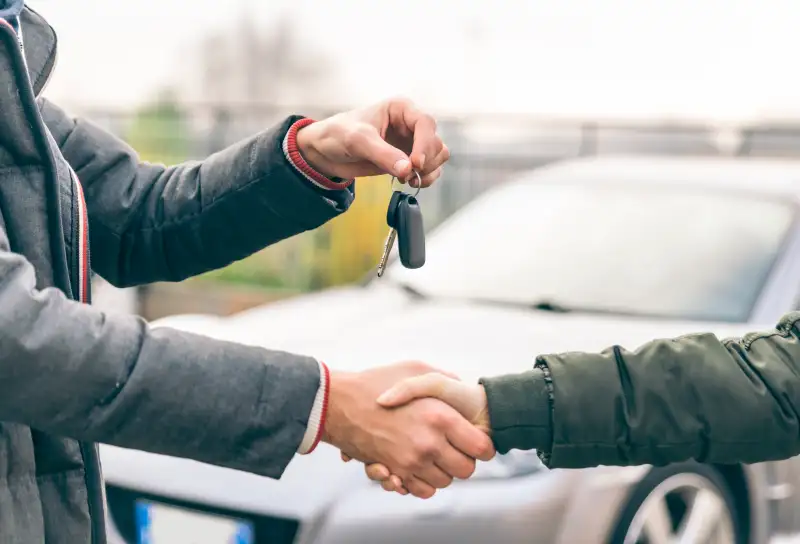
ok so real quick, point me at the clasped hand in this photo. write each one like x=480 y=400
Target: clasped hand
x=410 y=440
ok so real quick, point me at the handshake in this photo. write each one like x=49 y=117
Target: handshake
x=416 y=428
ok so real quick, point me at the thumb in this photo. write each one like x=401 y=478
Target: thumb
x=427 y=385
x=372 y=148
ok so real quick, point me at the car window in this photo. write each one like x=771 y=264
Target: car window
x=674 y=252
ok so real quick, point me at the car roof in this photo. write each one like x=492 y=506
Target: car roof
x=758 y=175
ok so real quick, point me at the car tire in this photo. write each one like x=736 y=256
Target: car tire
x=683 y=488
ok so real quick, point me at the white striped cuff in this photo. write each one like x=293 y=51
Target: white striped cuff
x=316 y=420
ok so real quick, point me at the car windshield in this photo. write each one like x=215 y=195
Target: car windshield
x=674 y=252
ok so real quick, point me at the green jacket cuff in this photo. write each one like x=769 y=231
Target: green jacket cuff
x=519 y=411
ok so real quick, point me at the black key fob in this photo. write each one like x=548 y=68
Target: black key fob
x=410 y=233
x=391 y=211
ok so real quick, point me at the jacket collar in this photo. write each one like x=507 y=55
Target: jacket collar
x=40 y=48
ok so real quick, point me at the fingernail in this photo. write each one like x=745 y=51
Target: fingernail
x=401 y=166
x=421 y=162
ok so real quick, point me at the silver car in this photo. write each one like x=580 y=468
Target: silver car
x=578 y=255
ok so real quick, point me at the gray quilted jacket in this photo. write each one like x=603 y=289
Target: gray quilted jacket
x=70 y=376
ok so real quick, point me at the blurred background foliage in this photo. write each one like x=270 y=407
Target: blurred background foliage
x=159 y=131
x=340 y=252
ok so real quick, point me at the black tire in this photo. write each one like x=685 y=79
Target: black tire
x=660 y=474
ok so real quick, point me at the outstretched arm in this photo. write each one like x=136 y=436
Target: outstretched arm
x=149 y=222
x=692 y=397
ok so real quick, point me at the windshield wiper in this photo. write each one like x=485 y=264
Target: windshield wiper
x=413 y=292
x=546 y=305
x=549 y=306
x=543 y=305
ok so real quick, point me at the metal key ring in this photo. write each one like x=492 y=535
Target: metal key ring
x=419 y=183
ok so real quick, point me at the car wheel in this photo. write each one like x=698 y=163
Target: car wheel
x=686 y=502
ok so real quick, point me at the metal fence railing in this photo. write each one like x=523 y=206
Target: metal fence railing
x=514 y=144
x=485 y=151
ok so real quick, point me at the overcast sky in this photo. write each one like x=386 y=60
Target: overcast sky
x=726 y=58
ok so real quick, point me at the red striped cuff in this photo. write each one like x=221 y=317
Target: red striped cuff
x=319 y=412
x=296 y=159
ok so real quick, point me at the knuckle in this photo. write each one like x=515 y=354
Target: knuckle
x=421 y=490
x=486 y=449
x=430 y=120
x=433 y=176
x=426 y=449
x=355 y=138
x=436 y=418
x=364 y=129
x=466 y=470
x=408 y=464
x=418 y=367
x=400 y=101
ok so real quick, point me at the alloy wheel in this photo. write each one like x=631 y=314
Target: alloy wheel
x=683 y=509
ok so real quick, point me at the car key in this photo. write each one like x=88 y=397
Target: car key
x=410 y=232
x=391 y=216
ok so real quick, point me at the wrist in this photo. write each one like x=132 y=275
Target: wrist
x=302 y=151
x=339 y=385
x=307 y=137
x=520 y=411
x=481 y=421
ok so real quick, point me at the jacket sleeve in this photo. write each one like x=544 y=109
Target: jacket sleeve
x=151 y=223
x=692 y=397
x=70 y=370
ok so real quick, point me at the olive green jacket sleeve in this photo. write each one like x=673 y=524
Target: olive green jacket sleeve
x=692 y=397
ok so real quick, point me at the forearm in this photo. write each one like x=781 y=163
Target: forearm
x=692 y=397
x=68 y=369
x=204 y=216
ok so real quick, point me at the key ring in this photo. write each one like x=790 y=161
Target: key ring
x=419 y=183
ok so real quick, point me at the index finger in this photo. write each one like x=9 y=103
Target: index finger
x=427 y=143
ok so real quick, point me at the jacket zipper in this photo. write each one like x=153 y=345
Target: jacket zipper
x=80 y=227
x=61 y=266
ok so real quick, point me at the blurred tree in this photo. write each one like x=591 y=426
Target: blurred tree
x=261 y=67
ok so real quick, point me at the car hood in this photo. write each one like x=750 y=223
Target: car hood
x=361 y=327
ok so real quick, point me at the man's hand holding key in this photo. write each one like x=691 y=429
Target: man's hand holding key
x=392 y=137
